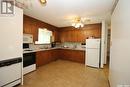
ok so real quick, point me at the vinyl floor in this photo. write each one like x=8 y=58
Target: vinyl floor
x=63 y=73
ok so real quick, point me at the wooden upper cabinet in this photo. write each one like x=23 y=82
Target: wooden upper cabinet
x=56 y=36
x=61 y=37
x=74 y=36
x=69 y=34
x=26 y=25
x=69 y=37
x=78 y=36
x=31 y=26
x=83 y=35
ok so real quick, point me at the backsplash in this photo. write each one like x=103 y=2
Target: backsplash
x=65 y=44
x=72 y=45
x=34 y=46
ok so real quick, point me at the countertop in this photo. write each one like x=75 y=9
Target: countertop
x=42 y=49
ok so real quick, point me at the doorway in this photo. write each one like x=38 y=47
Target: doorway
x=106 y=66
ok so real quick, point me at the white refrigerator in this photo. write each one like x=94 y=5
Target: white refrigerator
x=93 y=52
x=11 y=52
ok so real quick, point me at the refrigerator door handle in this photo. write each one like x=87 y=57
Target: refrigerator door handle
x=10 y=62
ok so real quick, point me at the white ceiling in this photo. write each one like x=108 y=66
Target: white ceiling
x=60 y=12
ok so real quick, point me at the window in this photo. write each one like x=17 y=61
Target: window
x=44 y=36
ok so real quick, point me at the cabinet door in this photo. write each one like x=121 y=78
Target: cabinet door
x=63 y=54
x=39 y=59
x=83 y=35
x=56 y=36
x=54 y=54
x=30 y=27
x=43 y=57
x=80 y=57
x=73 y=34
x=73 y=55
x=68 y=35
x=78 y=35
x=62 y=36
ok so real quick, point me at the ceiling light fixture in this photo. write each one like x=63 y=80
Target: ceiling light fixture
x=43 y=2
x=78 y=22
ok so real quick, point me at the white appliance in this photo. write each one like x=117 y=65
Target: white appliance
x=27 y=38
x=29 y=69
x=11 y=39
x=10 y=72
x=93 y=52
x=29 y=62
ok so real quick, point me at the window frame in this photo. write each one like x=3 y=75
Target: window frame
x=38 y=42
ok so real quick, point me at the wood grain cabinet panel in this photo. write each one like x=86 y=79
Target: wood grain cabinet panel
x=31 y=26
x=75 y=36
x=63 y=54
x=56 y=36
x=79 y=36
x=78 y=56
x=42 y=58
x=62 y=36
x=70 y=34
x=54 y=54
x=45 y=57
x=83 y=35
x=73 y=55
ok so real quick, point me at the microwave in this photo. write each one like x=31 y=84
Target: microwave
x=27 y=38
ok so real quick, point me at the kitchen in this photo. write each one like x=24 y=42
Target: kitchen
x=68 y=40
x=42 y=52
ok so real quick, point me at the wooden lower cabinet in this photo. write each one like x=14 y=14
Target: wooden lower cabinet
x=73 y=55
x=44 y=57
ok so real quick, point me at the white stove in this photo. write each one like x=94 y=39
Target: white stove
x=29 y=59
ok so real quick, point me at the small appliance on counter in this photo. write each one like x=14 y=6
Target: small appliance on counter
x=83 y=43
x=25 y=46
x=53 y=44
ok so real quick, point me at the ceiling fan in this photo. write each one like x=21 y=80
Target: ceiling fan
x=26 y=4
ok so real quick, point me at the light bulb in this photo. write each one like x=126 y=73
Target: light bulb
x=82 y=25
x=73 y=24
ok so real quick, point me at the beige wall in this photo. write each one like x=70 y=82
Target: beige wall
x=120 y=49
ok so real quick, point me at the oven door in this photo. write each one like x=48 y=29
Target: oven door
x=29 y=59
